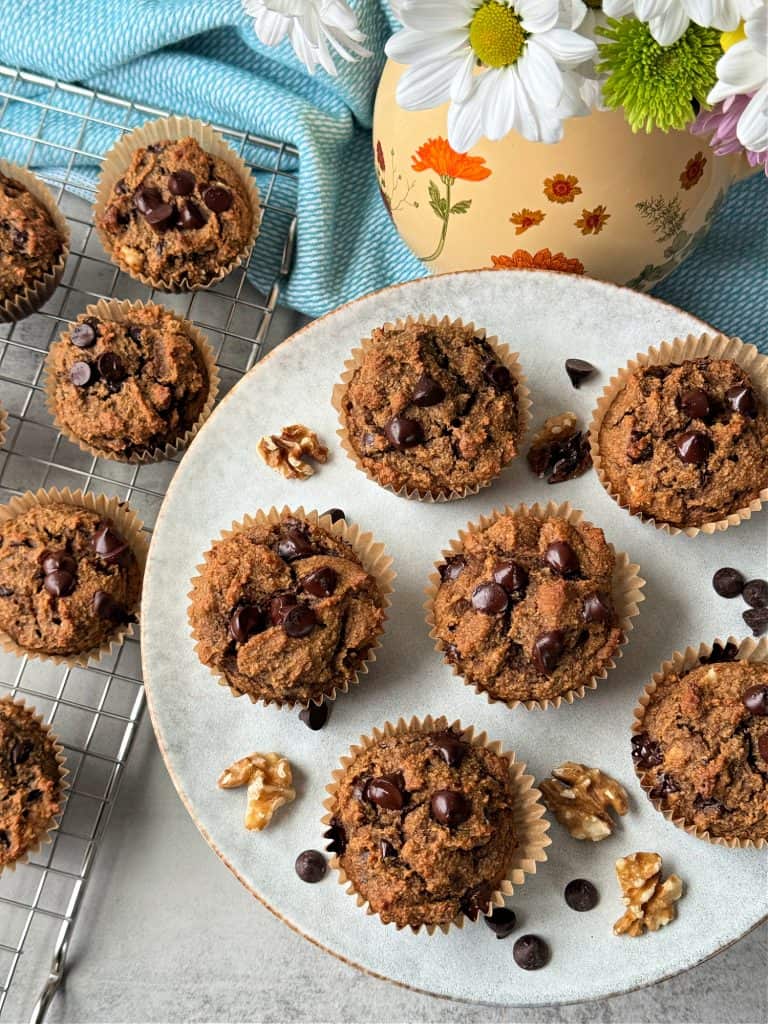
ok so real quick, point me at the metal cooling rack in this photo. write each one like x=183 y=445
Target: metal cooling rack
x=96 y=710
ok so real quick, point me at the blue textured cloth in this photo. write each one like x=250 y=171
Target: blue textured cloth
x=202 y=58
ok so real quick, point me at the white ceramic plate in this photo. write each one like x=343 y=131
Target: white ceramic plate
x=201 y=728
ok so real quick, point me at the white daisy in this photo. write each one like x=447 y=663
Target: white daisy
x=581 y=86
x=743 y=71
x=312 y=27
x=668 y=19
x=499 y=62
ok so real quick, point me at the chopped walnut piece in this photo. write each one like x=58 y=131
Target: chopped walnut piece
x=650 y=902
x=288 y=451
x=270 y=785
x=560 y=450
x=581 y=797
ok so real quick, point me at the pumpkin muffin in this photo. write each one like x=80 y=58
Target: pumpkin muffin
x=30 y=243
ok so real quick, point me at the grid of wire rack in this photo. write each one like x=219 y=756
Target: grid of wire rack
x=62 y=130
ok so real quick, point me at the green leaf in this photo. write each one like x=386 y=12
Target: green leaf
x=461 y=207
x=436 y=207
x=434 y=192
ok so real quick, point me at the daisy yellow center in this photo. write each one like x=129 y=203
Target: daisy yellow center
x=729 y=39
x=496 y=35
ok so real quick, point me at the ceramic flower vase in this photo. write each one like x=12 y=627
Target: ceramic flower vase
x=604 y=201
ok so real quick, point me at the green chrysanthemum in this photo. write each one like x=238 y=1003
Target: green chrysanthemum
x=656 y=85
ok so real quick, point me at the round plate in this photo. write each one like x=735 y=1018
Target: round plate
x=201 y=728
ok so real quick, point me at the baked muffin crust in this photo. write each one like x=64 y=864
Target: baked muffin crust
x=30 y=243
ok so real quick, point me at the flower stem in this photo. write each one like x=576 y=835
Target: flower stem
x=444 y=231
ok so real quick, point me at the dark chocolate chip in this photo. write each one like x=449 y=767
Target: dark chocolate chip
x=108 y=545
x=695 y=404
x=579 y=370
x=336 y=514
x=561 y=458
x=162 y=216
x=83 y=335
x=427 y=392
x=105 y=606
x=320 y=583
x=450 y=807
x=111 y=368
x=385 y=793
x=756 y=700
x=498 y=375
x=404 y=433
x=279 y=606
x=191 y=216
x=81 y=374
x=640 y=447
x=4 y=838
x=294 y=544
x=728 y=582
x=757 y=620
x=181 y=183
x=476 y=900
x=598 y=608
x=452 y=567
x=19 y=238
x=337 y=838
x=706 y=803
x=20 y=752
x=666 y=784
x=561 y=558
x=646 y=753
x=742 y=400
x=755 y=593
x=315 y=716
x=450 y=747
x=311 y=866
x=52 y=561
x=547 y=649
x=147 y=199
x=34 y=795
x=501 y=921
x=245 y=620
x=217 y=199
x=580 y=894
x=719 y=653
x=134 y=333
x=6 y=592
x=299 y=621
x=59 y=583
x=387 y=850
x=490 y=599
x=530 y=952
x=513 y=578
x=762 y=746
x=693 y=447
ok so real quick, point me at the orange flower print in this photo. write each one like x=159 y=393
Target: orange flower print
x=592 y=222
x=525 y=219
x=561 y=188
x=438 y=156
x=541 y=260
x=693 y=171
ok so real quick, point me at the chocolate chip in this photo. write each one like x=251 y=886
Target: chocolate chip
x=162 y=216
x=666 y=784
x=476 y=900
x=530 y=952
x=385 y=793
x=134 y=333
x=181 y=183
x=81 y=374
x=561 y=458
x=320 y=583
x=581 y=895
x=450 y=747
x=501 y=921
x=34 y=795
x=490 y=599
x=757 y=620
x=755 y=593
x=299 y=621
x=450 y=807
x=706 y=803
x=294 y=544
x=59 y=583
x=4 y=839
x=279 y=606
x=336 y=514
x=646 y=753
x=51 y=561
x=513 y=578
x=337 y=838
x=762 y=746
x=19 y=238
x=427 y=392
x=452 y=567
x=245 y=620
x=498 y=375
x=640 y=447
x=105 y=606
x=693 y=447
x=191 y=216
x=720 y=653
x=597 y=608
x=547 y=649
x=315 y=716
x=404 y=433
x=83 y=335
x=20 y=752
x=108 y=545
x=695 y=404
x=561 y=559
x=742 y=400
x=387 y=850
x=147 y=199
x=728 y=582
x=111 y=368
x=756 y=700
x=217 y=199
x=311 y=866
x=579 y=370
x=6 y=592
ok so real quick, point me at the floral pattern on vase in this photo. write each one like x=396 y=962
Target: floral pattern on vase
x=541 y=260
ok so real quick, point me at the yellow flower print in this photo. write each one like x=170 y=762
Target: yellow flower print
x=526 y=218
x=592 y=222
x=561 y=188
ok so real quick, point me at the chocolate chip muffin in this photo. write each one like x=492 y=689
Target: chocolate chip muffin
x=129 y=385
x=701 y=749
x=285 y=611
x=525 y=610
x=68 y=579
x=686 y=443
x=178 y=215
x=30 y=243
x=30 y=781
x=423 y=825
x=430 y=408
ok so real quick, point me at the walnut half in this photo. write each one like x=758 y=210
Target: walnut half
x=650 y=902
x=270 y=785
x=581 y=797
x=288 y=451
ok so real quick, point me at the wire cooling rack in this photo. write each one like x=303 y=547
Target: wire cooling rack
x=61 y=131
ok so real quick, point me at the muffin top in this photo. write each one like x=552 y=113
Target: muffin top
x=68 y=579
x=431 y=408
x=687 y=443
x=423 y=826
x=703 y=749
x=285 y=611
x=525 y=611
x=177 y=215
x=127 y=387
x=30 y=781
x=30 y=243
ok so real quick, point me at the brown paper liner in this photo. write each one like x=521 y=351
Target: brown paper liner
x=371 y=553
x=530 y=823
x=116 y=310
x=626 y=588
x=3 y=425
x=119 y=157
x=127 y=524
x=716 y=346
x=509 y=359
x=55 y=819
x=683 y=661
x=33 y=297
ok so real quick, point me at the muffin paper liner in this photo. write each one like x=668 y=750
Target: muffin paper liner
x=531 y=825
x=375 y=561
x=716 y=346
x=40 y=291
x=749 y=649
x=119 y=157
x=626 y=592
x=55 y=819
x=114 y=309
x=3 y=425
x=127 y=524
x=509 y=359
